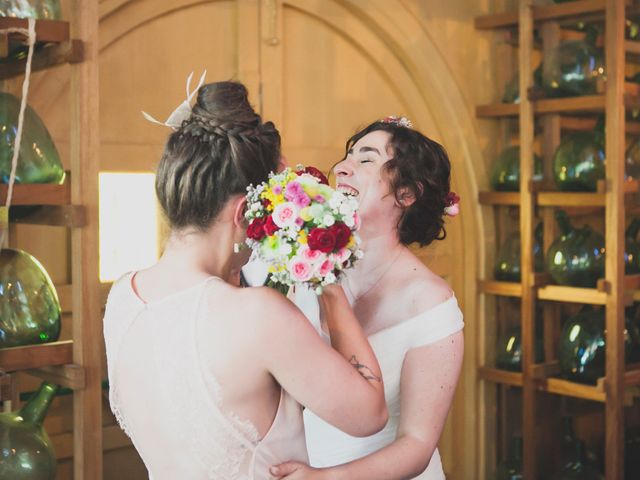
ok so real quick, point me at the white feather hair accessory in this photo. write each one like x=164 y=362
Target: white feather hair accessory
x=183 y=111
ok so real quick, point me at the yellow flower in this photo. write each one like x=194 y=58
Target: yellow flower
x=305 y=214
x=352 y=241
x=302 y=237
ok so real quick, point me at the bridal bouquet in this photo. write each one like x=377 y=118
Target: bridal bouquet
x=304 y=230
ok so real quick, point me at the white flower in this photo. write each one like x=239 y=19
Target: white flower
x=328 y=220
x=337 y=199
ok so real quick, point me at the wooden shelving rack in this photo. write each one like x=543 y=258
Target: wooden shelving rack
x=76 y=363
x=620 y=384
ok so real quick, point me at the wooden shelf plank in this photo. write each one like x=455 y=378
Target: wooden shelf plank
x=499 y=198
x=38 y=194
x=504 y=289
x=586 y=103
x=47 y=31
x=498 y=110
x=572 y=389
x=503 y=377
x=570 y=199
x=54 y=215
x=70 y=376
x=70 y=51
x=36 y=356
x=560 y=293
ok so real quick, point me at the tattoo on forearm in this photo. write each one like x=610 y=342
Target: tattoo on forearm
x=363 y=370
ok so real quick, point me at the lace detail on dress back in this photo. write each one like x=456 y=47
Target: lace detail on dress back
x=220 y=443
x=223 y=442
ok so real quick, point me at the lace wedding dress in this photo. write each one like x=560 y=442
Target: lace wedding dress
x=170 y=404
x=329 y=446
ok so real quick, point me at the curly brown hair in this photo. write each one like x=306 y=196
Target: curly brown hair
x=421 y=167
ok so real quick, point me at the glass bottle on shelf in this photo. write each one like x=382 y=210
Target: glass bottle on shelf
x=26 y=451
x=632 y=248
x=574 y=67
x=511 y=468
x=39 y=161
x=29 y=308
x=38 y=9
x=578 y=162
x=509 y=353
x=577 y=467
x=581 y=346
x=505 y=172
x=576 y=257
x=507 y=266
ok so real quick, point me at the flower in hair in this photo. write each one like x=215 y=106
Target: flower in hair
x=452 y=202
x=398 y=121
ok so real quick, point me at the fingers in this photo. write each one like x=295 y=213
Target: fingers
x=284 y=469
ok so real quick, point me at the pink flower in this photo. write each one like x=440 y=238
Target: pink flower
x=301 y=200
x=285 y=214
x=452 y=210
x=293 y=190
x=300 y=269
x=277 y=189
x=319 y=199
x=310 y=255
x=326 y=267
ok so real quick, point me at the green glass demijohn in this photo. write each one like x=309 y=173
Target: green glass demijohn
x=26 y=452
x=632 y=248
x=578 y=162
x=511 y=468
x=38 y=161
x=512 y=88
x=576 y=257
x=507 y=267
x=38 y=9
x=581 y=346
x=577 y=468
x=632 y=160
x=29 y=307
x=505 y=172
x=509 y=353
x=574 y=67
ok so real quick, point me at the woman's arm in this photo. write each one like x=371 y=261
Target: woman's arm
x=342 y=386
x=429 y=377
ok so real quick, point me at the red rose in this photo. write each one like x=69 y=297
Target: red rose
x=322 y=239
x=266 y=203
x=342 y=233
x=314 y=172
x=270 y=227
x=255 y=230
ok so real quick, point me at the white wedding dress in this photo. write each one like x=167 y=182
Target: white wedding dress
x=329 y=446
x=166 y=398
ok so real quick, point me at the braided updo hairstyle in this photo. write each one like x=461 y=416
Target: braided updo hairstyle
x=217 y=152
x=420 y=166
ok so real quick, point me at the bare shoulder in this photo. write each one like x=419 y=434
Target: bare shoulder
x=422 y=289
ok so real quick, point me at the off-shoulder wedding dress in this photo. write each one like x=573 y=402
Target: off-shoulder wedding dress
x=329 y=446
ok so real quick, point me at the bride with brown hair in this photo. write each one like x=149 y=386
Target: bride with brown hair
x=410 y=315
x=207 y=378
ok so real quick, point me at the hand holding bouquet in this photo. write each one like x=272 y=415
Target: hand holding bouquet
x=303 y=229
